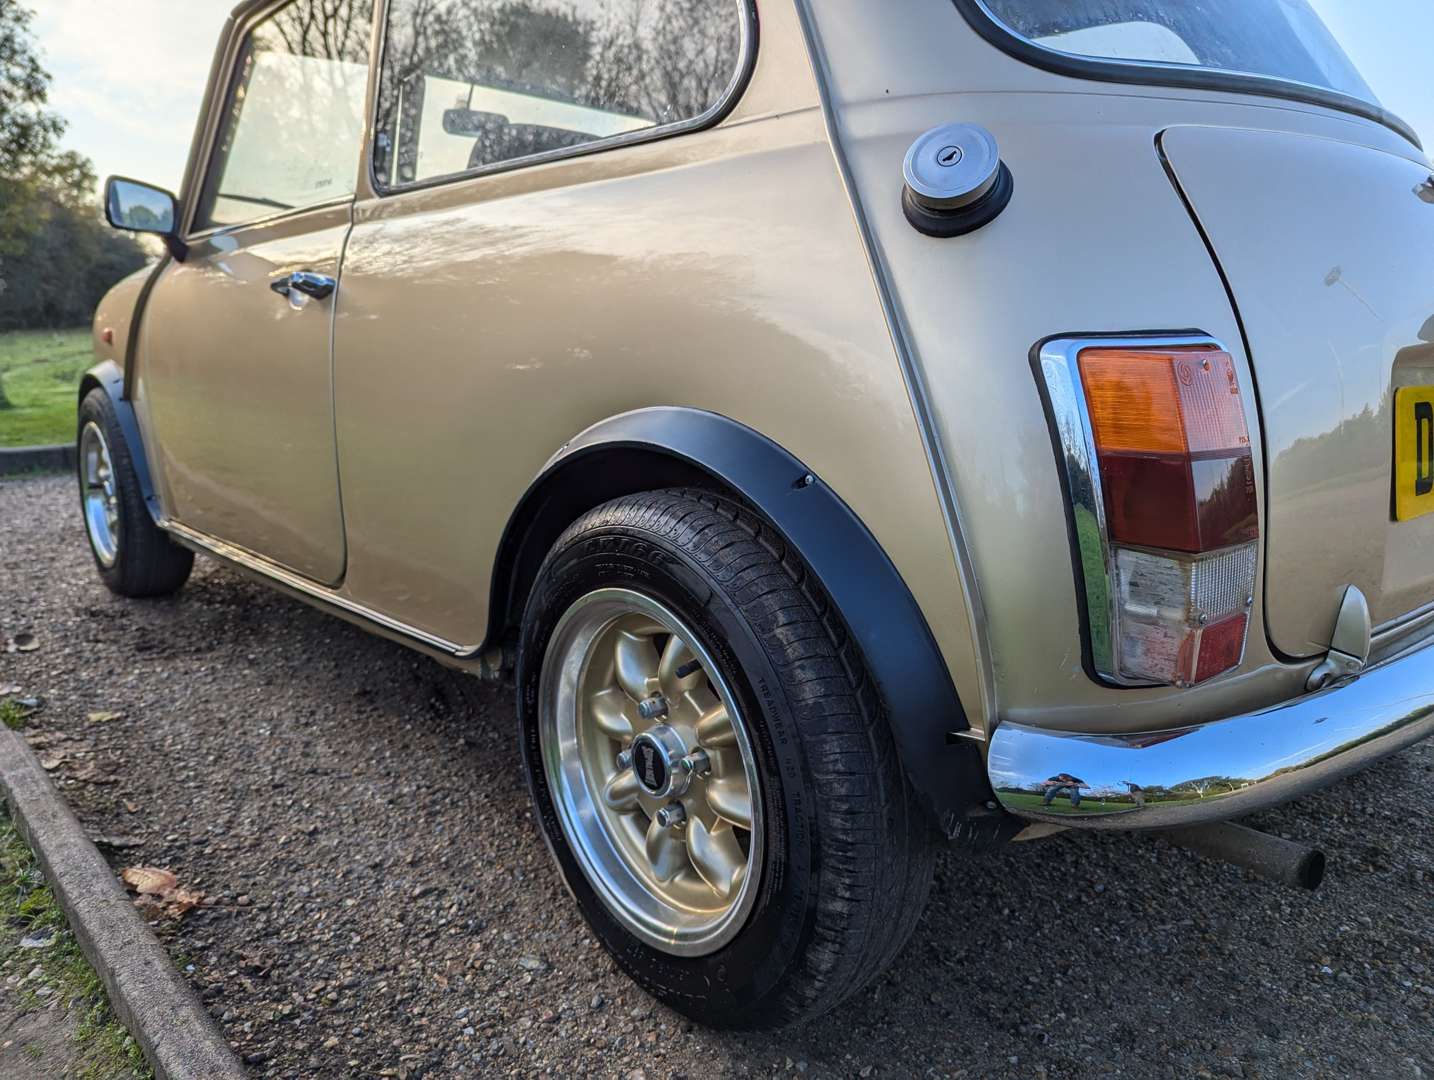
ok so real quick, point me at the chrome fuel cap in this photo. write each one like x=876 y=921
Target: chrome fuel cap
x=955 y=180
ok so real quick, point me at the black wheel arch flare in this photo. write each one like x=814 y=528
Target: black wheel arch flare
x=109 y=377
x=672 y=446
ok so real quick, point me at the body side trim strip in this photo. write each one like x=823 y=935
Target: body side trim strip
x=256 y=564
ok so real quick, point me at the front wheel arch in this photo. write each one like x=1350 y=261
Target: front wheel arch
x=662 y=447
x=109 y=377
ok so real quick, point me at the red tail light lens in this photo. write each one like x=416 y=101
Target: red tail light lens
x=1220 y=647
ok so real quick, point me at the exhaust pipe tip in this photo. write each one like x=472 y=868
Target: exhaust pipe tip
x=1287 y=862
x=1311 y=870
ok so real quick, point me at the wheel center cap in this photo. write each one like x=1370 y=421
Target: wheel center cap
x=655 y=757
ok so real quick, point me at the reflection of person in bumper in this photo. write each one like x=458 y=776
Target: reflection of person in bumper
x=1063 y=784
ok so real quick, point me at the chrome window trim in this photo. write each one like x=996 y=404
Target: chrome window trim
x=746 y=63
x=197 y=170
x=1163 y=73
x=271 y=219
x=1056 y=363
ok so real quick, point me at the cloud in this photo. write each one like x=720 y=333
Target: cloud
x=128 y=78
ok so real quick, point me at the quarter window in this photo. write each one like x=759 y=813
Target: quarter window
x=471 y=84
x=292 y=130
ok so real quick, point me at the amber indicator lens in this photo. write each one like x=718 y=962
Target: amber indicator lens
x=1173 y=447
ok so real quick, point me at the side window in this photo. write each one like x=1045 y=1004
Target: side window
x=471 y=83
x=292 y=128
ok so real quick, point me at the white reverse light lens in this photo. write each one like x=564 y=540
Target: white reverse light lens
x=1174 y=613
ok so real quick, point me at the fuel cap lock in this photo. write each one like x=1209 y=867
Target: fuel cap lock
x=955 y=180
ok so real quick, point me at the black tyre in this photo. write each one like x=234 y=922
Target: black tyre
x=133 y=555
x=695 y=715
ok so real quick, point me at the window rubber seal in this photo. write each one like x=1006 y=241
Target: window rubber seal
x=732 y=94
x=1148 y=73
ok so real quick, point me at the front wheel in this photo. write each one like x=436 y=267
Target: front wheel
x=710 y=764
x=133 y=555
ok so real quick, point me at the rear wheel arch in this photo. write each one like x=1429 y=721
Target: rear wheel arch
x=665 y=447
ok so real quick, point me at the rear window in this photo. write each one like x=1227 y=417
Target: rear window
x=1278 y=43
x=469 y=85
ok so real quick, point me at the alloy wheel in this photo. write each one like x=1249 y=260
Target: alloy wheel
x=652 y=771
x=98 y=492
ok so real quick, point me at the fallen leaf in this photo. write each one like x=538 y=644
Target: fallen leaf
x=148 y=880
x=132 y=807
x=24 y=642
x=104 y=717
x=180 y=901
x=160 y=892
x=51 y=762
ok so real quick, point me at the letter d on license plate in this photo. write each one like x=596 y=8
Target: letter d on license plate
x=1413 y=451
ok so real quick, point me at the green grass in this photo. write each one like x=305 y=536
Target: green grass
x=12 y=714
x=39 y=376
x=107 y=1052
x=1097 y=590
x=1062 y=803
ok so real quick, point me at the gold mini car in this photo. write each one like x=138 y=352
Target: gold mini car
x=852 y=424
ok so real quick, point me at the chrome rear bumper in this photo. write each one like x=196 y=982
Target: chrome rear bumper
x=1219 y=770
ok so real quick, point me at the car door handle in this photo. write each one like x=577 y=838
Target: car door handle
x=316 y=285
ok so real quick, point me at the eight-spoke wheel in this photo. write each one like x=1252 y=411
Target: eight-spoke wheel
x=97 y=493
x=710 y=764
x=652 y=769
x=133 y=555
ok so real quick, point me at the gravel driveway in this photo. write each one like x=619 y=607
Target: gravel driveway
x=386 y=907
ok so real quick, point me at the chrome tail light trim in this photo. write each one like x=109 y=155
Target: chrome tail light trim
x=1055 y=361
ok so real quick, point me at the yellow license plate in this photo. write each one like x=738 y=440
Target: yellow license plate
x=1413 y=451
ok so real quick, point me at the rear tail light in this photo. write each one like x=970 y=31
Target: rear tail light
x=1158 y=458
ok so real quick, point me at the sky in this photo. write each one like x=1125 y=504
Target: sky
x=128 y=74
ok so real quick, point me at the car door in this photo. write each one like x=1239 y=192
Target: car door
x=490 y=278
x=235 y=360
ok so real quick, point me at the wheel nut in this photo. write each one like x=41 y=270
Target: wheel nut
x=674 y=813
x=624 y=759
x=653 y=707
x=697 y=763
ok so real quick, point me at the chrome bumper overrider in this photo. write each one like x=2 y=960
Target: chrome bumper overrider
x=1222 y=769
